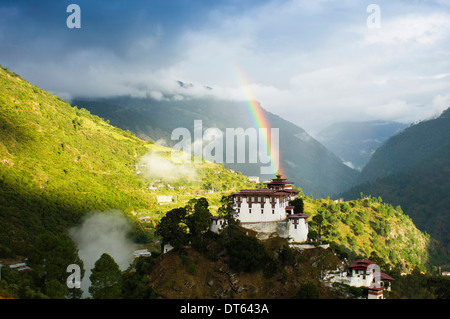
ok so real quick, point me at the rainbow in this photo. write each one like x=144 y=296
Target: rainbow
x=260 y=120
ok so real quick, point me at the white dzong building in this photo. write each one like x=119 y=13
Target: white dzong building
x=267 y=211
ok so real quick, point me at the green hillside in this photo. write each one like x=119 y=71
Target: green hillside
x=370 y=228
x=58 y=162
x=412 y=169
x=422 y=191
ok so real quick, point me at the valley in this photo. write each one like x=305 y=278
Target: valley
x=61 y=164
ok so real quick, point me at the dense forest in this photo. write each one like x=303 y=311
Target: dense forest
x=412 y=169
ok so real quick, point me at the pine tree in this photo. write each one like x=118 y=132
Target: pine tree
x=106 y=279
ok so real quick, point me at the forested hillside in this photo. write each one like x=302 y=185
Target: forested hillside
x=412 y=169
x=413 y=145
x=422 y=191
x=59 y=162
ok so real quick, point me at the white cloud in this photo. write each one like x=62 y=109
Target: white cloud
x=153 y=166
x=411 y=29
x=311 y=62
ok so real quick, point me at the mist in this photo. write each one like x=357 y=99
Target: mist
x=154 y=166
x=103 y=232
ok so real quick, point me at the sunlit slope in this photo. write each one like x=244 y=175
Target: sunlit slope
x=58 y=162
x=372 y=229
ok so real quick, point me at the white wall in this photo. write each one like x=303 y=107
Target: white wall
x=217 y=225
x=261 y=213
x=299 y=234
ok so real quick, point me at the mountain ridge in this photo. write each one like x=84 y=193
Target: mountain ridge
x=304 y=159
x=413 y=145
x=355 y=142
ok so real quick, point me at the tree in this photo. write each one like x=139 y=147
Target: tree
x=198 y=218
x=55 y=290
x=308 y=291
x=227 y=211
x=173 y=229
x=298 y=205
x=106 y=279
x=245 y=253
x=318 y=224
x=49 y=260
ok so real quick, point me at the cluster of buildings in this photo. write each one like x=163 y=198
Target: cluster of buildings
x=267 y=212
x=364 y=273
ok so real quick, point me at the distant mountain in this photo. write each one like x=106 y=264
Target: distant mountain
x=413 y=170
x=305 y=161
x=141 y=125
x=355 y=142
x=415 y=144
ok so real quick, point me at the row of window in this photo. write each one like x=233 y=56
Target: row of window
x=259 y=199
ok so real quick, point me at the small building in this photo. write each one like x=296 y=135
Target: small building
x=374 y=292
x=365 y=273
x=298 y=227
x=141 y=253
x=167 y=247
x=20 y=267
x=164 y=199
x=217 y=224
x=253 y=179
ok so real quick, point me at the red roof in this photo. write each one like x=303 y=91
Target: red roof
x=361 y=264
x=279 y=183
x=291 y=190
x=375 y=288
x=383 y=276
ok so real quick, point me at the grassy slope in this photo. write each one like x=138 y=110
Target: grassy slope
x=365 y=226
x=58 y=162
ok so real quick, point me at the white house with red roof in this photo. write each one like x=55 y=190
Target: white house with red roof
x=365 y=273
x=267 y=210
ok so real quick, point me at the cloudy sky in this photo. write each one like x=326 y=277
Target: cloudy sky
x=311 y=62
